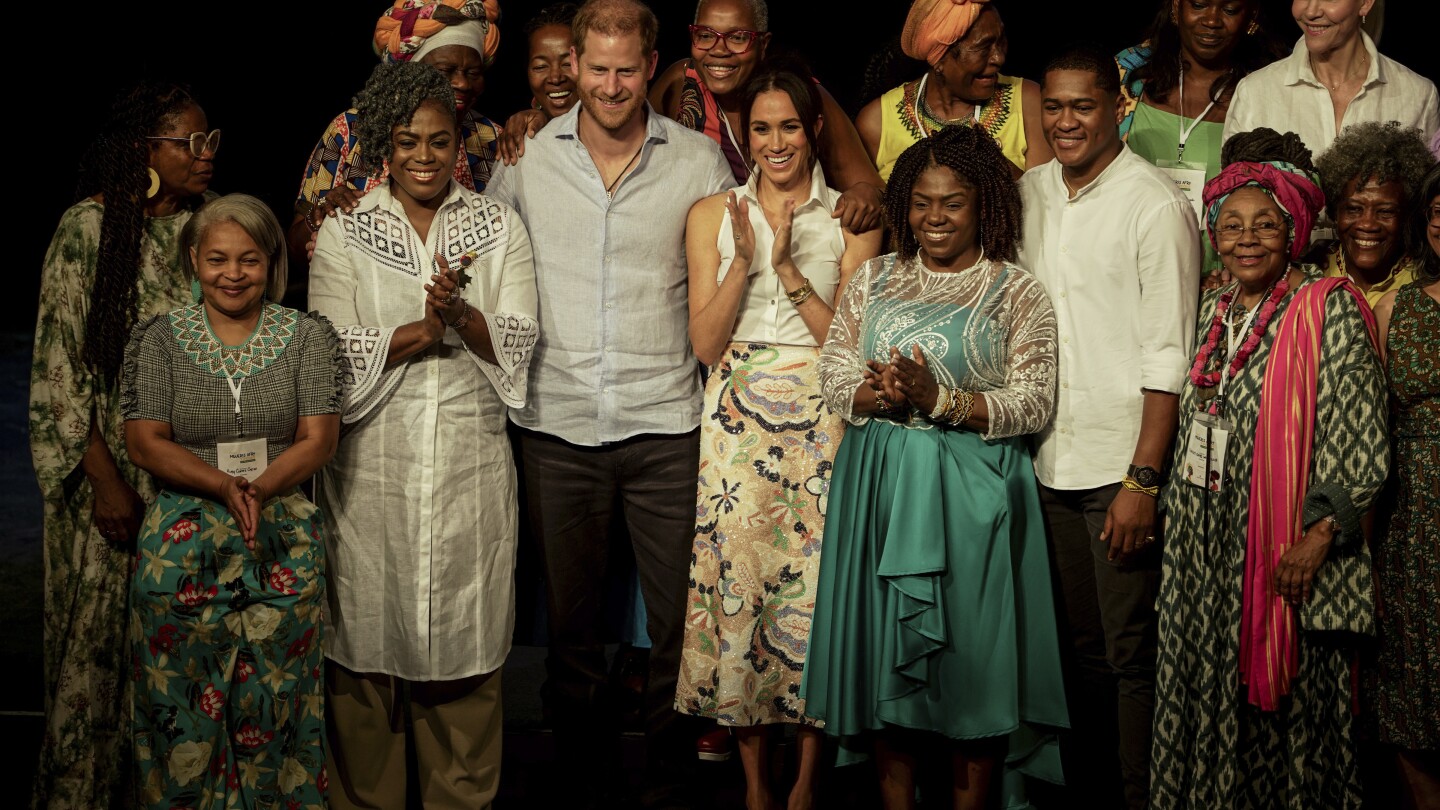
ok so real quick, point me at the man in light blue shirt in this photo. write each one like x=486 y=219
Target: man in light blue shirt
x=614 y=404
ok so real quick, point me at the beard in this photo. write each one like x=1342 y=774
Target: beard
x=612 y=118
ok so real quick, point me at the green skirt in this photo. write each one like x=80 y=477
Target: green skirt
x=934 y=609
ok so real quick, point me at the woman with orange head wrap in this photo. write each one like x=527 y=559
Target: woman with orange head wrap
x=963 y=45
x=459 y=38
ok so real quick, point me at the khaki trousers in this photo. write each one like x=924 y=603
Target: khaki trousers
x=456 y=727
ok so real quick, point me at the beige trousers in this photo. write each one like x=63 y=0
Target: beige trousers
x=456 y=727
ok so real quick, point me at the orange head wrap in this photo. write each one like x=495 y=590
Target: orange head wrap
x=934 y=25
x=404 y=29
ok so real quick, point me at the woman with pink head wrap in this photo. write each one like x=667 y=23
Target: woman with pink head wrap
x=963 y=45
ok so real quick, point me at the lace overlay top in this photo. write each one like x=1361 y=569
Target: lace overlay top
x=987 y=329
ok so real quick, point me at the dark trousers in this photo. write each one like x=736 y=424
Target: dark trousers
x=572 y=494
x=1108 y=619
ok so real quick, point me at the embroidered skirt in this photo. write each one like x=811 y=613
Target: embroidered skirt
x=767 y=443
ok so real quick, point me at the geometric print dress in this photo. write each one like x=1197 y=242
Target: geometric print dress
x=1211 y=747
x=229 y=700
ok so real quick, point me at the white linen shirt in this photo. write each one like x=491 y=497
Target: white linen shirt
x=1286 y=97
x=614 y=358
x=420 y=498
x=1121 y=263
x=816 y=244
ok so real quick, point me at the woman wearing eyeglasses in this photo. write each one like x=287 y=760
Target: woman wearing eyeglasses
x=727 y=41
x=963 y=43
x=114 y=260
x=1282 y=447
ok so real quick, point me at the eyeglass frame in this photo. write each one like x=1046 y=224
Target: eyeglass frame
x=696 y=28
x=1231 y=232
x=209 y=141
x=1000 y=46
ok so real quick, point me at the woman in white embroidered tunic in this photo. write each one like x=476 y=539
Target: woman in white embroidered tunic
x=422 y=489
x=230 y=403
x=766 y=260
x=934 y=624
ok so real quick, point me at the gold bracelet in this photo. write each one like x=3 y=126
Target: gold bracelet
x=962 y=405
x=1134 y=486
x=801 y=294
x=882 y=404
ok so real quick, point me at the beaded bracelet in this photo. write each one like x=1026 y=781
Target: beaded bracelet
x=801 y=294
x=464 y=319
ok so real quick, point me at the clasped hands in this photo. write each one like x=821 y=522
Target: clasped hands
x=904 y=382
x=443 y=304
x=244 y=498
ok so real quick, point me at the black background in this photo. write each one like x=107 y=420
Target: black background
x=273 y=75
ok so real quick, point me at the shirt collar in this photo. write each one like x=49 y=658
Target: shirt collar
x=381 y=197
x=815 y=196
x=1122 y=157
x=1298 y=69
x=567 y=126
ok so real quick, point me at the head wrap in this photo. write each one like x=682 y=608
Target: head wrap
x=1291 y=187
x=932 y=26
x=412 y=28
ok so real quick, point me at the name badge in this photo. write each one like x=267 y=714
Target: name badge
x=1205 y=452
x=247 y=457
x=1189 y=178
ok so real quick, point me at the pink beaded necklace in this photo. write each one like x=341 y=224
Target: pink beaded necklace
x=1203 y=379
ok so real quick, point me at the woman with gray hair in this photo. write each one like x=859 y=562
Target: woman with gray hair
x=230 y=403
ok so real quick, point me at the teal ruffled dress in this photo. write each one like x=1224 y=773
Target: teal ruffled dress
x=934 y=608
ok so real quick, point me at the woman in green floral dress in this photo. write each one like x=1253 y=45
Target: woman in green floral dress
x=113 y=260
x=231 y=403
x=1406 y=693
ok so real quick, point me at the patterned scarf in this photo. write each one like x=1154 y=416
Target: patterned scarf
x=1284 y=439
x=1291 y=187
x=932 y=26
x=700 y=112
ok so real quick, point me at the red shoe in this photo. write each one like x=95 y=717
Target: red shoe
x=714 y=745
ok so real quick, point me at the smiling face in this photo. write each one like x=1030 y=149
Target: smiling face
x=1253 y=238
x=1081 y=122
x=423 y=154
x=971 y=67
x=723 y=71
x=181 y=173
x=1368 y=219
x=1210 y=29
x=614 y=73
x=232 y=269
x=945 y=219
x=551 y=73
x=782 y=153
x=464 y=68
x=1328 y=24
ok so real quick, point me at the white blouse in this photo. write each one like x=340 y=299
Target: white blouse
x=421 y=494
x=816 y=245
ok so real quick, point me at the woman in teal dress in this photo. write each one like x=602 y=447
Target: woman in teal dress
x=230 y=403
x=934 y=621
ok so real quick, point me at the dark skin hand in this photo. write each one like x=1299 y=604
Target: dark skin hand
x=301 y=237
x=1130 y=522
x=118 y=508
x=522 y=126
x=1295 y=573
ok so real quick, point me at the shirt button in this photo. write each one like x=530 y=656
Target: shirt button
x=1064 y=294
x=1065 y=340
x=773 y=300
x=1064 y=249
x=1064 y=385
x=609 y=306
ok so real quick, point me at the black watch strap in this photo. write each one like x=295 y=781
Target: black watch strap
x=1146 y=476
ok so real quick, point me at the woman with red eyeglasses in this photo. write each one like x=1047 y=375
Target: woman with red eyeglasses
x=114 y=261
x=727 y=41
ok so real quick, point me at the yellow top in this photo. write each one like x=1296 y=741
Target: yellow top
x=903 y=122
x=1403 y=274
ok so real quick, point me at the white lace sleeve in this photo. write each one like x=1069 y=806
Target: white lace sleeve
x=1026 y=402
x=507 y=300
x=842 y=359
x=513 y=338
x=367 y=382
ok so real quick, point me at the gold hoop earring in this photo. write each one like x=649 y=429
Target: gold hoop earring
x=154 y=184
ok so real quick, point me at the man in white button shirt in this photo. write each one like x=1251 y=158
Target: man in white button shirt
x=1117 y=247
x=611 y=420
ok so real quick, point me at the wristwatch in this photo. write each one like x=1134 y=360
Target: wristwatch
x=1145 y=476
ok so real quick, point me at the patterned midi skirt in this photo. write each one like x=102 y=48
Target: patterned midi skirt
x=767 y=444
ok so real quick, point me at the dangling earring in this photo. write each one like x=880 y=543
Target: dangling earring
x=1254 y=28
x=154 y=184
x=1362 y=19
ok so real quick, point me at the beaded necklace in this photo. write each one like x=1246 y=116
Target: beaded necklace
x=1203 y=379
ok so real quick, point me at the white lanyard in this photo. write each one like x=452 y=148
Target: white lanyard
x=920 y=99
x=1186 y=132
x=235 y=385
x=1233 y=347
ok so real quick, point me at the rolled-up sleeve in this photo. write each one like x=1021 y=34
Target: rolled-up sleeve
x=1169 y=270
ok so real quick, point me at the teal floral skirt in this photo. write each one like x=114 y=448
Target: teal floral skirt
x=229 y=700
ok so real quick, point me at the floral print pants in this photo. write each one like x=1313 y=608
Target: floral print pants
x=229 y=698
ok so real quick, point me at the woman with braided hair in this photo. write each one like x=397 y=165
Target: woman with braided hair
x=934 y=620
x=459 y=38
x=114 y=260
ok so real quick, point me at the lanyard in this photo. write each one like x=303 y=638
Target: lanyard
x=235 y=384
x=1186 y=132
x=1231 y=349
x=920 y=99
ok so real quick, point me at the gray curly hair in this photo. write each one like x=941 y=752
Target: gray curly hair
x=1374 y=151
x=391 y=96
